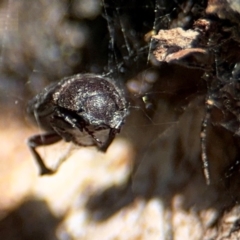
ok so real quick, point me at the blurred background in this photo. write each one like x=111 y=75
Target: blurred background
x=150 y=183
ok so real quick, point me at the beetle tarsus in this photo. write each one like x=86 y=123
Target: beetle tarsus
x=42 y=140
x=46 y=171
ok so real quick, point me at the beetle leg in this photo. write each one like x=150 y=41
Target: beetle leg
x=42 y=140
x=111 y=136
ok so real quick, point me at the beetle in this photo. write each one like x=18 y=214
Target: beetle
x=86 y=109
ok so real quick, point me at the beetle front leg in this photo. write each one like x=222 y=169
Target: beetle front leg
x=111 y=136
x=42 y=140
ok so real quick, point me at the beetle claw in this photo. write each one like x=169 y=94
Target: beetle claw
x=46 y=171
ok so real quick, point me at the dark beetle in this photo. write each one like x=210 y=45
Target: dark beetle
x=86 y=109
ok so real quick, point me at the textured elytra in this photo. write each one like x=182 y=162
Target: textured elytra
x=86 y=109
x=95 y=99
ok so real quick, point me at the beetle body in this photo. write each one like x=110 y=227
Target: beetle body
x=86 y=109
